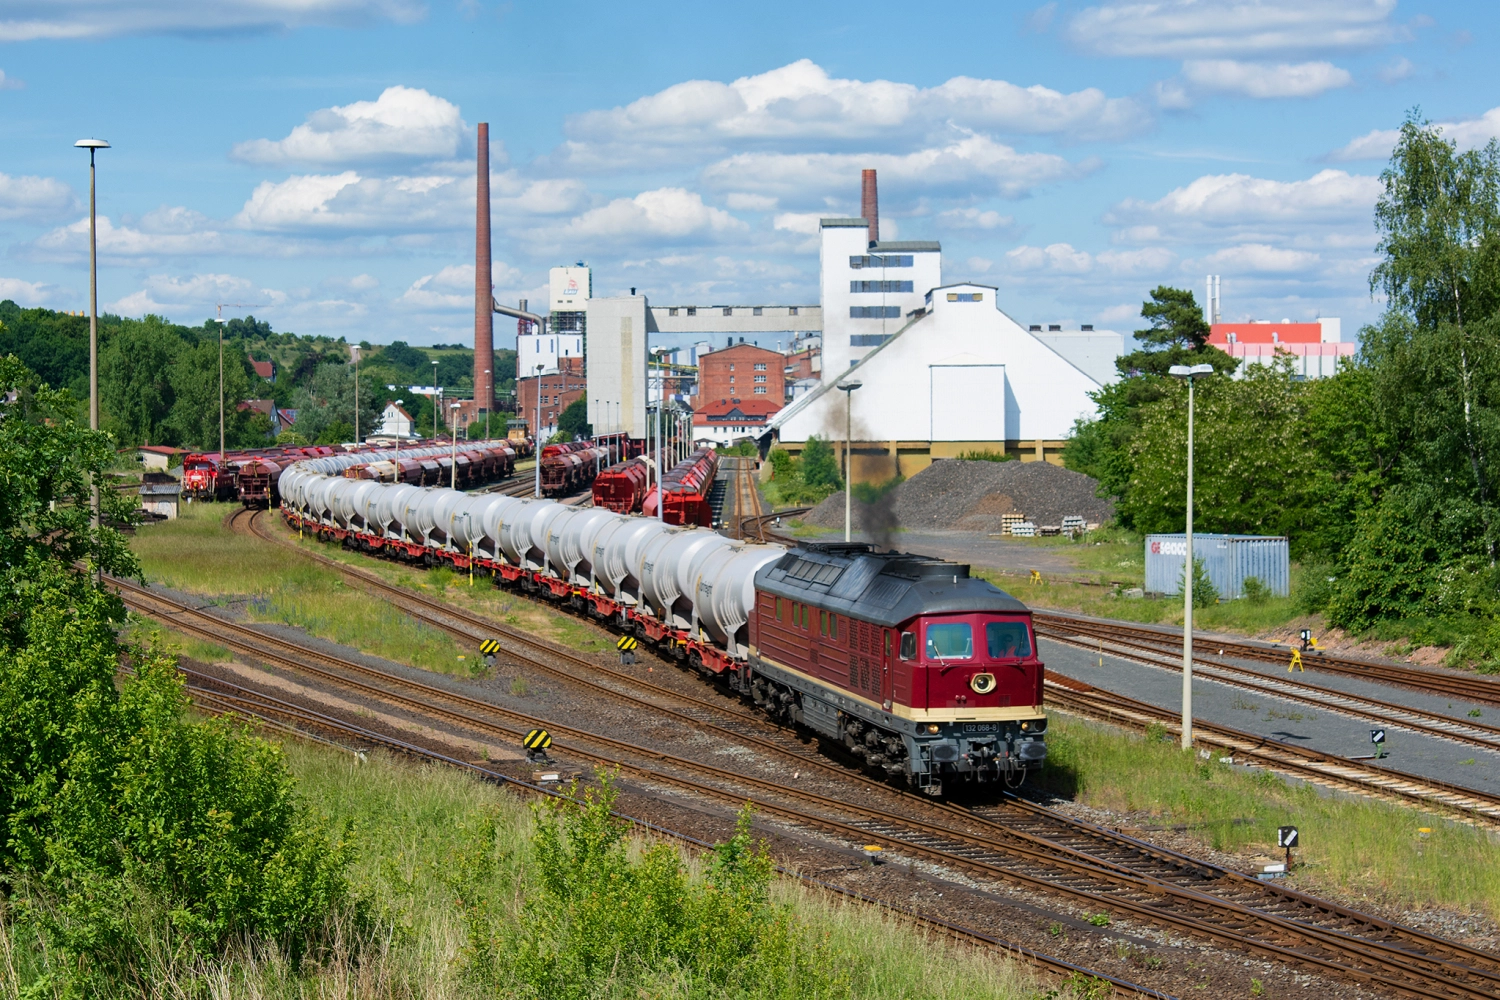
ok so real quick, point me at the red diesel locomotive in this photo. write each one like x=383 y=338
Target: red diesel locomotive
x=910 y=663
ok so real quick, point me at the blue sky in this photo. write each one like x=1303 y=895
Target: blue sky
x=315 y=157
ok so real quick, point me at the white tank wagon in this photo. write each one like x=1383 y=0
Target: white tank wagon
x=638 y=573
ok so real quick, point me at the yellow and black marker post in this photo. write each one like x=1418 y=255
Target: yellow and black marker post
x=536 y=743
x=488 y=648
x=627 y=646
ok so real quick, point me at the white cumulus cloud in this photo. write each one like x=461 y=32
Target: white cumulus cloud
x=453 y=286
x=27 y=293
x=975 y=161
x=1208 y=28
x=665 y=212
x=801 y=101
x=1217 y=205
x=1468 y=133
x=974 y=218
x=1056 y=258
x=403 y=123
x=33 y=197
x=1262 y=258
x=1264 y=80
x=29 y=20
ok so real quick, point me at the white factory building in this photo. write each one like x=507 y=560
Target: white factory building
x=959 y=376
x=868 y=288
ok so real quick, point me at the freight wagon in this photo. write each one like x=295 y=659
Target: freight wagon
x=926 y=674
x=686 y=488
x=622 y=487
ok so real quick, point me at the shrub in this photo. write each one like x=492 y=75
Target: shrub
x=1205 y=594
x=598 y=919
x=1255 y=591
x=986 y=456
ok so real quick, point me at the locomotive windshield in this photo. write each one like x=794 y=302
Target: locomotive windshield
x=1003 y=640
x=950 y=641
x=1007 y=640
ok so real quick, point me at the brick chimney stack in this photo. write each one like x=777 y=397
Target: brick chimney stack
x=869 y=204
x=484 y=289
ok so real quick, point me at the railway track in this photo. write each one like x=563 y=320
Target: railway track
x=1444 y=969
x=1474 y=688
x=1228 y=896
x=219 y=696
x=1459 y=730
x=1466 y=804
x=760 y=526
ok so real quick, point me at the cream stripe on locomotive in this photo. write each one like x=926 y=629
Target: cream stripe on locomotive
x=1007 y=713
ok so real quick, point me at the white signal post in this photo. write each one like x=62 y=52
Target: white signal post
x=397 y=477
x=1191 y=374
x=536 y=434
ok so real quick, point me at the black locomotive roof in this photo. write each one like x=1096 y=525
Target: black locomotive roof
x=886 y=588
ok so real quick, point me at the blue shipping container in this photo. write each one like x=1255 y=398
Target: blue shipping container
x=1229 y=560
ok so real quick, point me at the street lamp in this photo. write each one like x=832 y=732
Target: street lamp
x=453 y=465
x=1191 y=374
x=847 y=387
x=436 y=396
x=397 y=477
x=536 y=433
x=484 y=410
x=91 y=145
x=354 y=352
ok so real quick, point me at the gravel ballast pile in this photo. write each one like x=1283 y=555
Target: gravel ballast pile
x=972 y=496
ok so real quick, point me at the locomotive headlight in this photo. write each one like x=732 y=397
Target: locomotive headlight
x=982 y=683
x=933 y=728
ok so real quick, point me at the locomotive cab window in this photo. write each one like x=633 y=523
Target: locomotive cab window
x=778 y=609
x=908 y=646
x=950 y=641
x=1007 y=640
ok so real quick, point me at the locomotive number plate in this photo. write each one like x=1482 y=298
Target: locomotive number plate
x=981 y=727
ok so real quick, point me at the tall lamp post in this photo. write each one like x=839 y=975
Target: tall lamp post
x=453 y=463
x=436 y=399
x=397 y=477
x=847 y=387
x=536 y=433
x=1191 y=374
x=484 y=410
x=354 y=352
x=91 y=145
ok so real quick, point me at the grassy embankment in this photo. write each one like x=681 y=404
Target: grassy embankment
x=198 y=555
x=457 y=900
x=1111 y=556
x=1358 y=848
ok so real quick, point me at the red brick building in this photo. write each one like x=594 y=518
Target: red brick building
x=743 y=371
x=558 y=389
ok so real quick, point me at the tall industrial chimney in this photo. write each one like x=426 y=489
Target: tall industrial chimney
x=869 y=204
x=484 y=289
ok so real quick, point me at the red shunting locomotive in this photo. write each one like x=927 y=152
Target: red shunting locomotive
x=914 y=666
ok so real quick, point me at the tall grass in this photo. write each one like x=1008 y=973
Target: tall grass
x=197 y=554
x=435 y=843
x=1355 y=846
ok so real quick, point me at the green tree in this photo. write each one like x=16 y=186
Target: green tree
x=1439 y=223
x=135 y=384
x=491 y=427
x=328 y=399
x=122 y=821
x=1253 y=464
x=573 y=421
x=402 y=356
x=194 y=380
x=820 y=468
x=1104 y=446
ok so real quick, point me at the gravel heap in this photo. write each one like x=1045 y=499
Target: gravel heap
x=972 y=496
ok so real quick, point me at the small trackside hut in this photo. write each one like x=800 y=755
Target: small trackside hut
x=910 y=663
